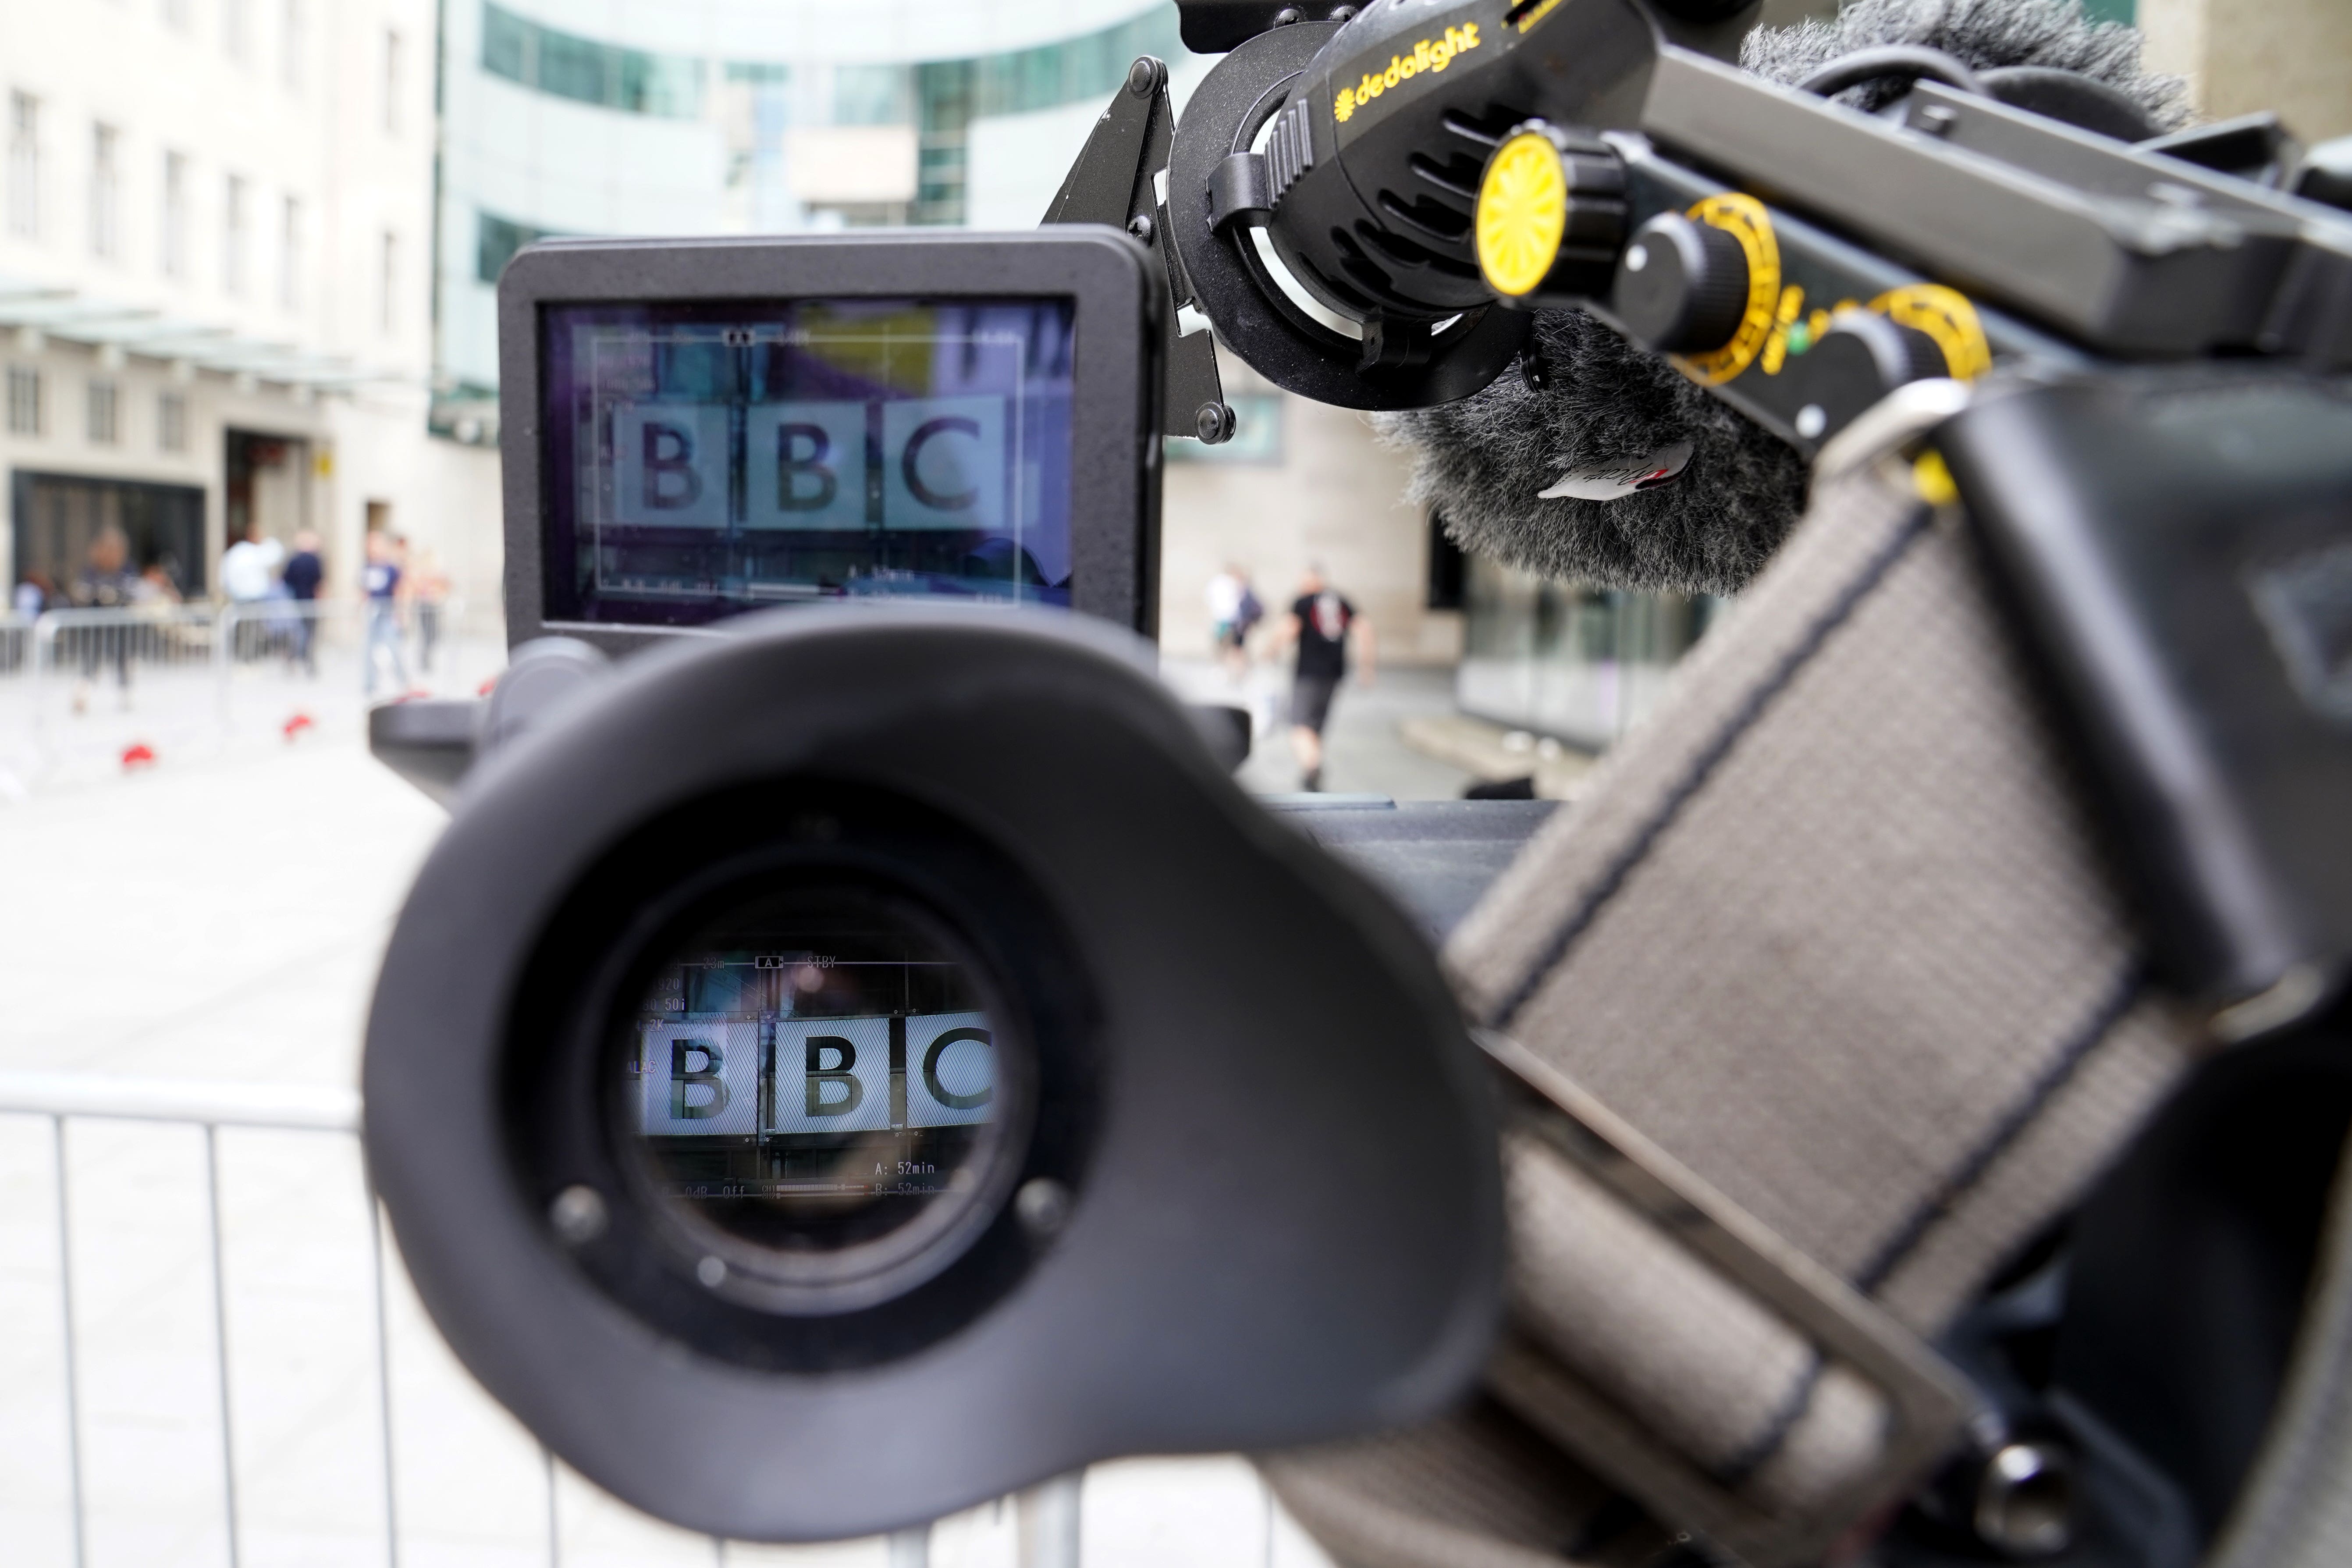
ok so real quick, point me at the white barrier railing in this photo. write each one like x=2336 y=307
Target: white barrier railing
x=92 y=645
x=85 y=692
x=391 y=646
x=63 y=1097
x=1048 y=1517
x=15 y=643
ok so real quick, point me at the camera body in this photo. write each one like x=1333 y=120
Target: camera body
x=870 y=1059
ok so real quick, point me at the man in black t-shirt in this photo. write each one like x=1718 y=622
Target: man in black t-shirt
x=1320 y=623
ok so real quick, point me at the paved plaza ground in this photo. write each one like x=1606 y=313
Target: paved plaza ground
x=1363 y=750
x=219 y=916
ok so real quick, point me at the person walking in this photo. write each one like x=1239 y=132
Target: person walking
x=305 y=572
x=107 y=583
x=1248 y=613
x=1318 y=625
x=1234 y=610
x=380 y=581
x=1224 y=600
x=35 y=593
x=248 y=576
x=429 y=591
x=251 y=565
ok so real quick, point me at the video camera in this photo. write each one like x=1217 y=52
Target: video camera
x=868 y=1057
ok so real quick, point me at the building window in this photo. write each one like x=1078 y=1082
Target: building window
x=24 y=166
x=871 y=95
x=24 y=400
x=292 y=39
x=289 y=255
x=174 y=234
x=232 y=29
x=586 y=71
x=387 y=284
x=496 y=241
x=105 y=190
x=233 y=201
x=944 y=120
x=392 y=75
x=104 y=405
x=172 y=422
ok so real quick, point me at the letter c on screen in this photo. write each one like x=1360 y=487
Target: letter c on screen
x=938 y=501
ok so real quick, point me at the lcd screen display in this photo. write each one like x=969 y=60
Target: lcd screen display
x=710 y=457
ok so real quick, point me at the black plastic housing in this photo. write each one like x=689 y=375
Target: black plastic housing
x=1385 y=207
x=1286 y=1220
x=1121 y=299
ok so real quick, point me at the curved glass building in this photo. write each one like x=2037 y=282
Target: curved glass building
x=750 y=116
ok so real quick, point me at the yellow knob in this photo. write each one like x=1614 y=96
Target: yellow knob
x=1522 y=213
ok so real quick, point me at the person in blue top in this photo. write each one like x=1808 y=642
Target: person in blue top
x=305 y=572
x=380 y=581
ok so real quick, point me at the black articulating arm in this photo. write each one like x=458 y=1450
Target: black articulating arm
x=1117 y=180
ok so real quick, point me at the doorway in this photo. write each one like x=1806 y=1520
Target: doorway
x=267 y=483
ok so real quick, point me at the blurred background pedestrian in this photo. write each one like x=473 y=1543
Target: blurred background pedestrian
x=380 y=580
x=1319 y=624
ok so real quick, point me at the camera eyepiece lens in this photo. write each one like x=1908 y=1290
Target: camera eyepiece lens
x=820 y=1095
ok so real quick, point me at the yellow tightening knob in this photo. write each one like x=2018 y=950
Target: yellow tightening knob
x=1551 y=212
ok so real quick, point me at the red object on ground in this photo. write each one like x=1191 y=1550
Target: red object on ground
x=298 y=723
x=486 y=687
x=416 y=694
x=138 y=754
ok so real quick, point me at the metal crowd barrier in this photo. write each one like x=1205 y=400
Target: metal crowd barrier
x=391 y=647
x=92 y=646
x=15 y=643
x=394 y=640
x=1048 y=1519
x=88 y=691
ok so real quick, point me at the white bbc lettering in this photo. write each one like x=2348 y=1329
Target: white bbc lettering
x=943 y=463
x=804 y=465
x=670 y=465
x=833 y=1075
x=950 y=1069
x=699 y=1078
x=940 y=463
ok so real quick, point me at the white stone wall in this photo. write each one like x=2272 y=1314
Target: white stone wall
x=2240 y=56
x=317 y=113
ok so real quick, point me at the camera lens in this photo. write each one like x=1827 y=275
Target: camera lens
x=822 y=1095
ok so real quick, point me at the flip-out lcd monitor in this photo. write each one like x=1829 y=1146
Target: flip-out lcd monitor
x=696 y=430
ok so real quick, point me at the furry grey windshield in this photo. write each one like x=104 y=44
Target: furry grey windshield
x=1481 y=462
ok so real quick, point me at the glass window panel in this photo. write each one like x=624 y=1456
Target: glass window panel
x=871 y=95
x=506 y=40
x=573 y=67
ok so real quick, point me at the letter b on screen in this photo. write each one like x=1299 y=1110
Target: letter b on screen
x=804 y=465
x=699 y=1078
x=669 y=465
x=832 y=1075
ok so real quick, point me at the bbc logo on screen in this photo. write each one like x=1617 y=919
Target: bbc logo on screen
x=819 y=1074
x=896 y=463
